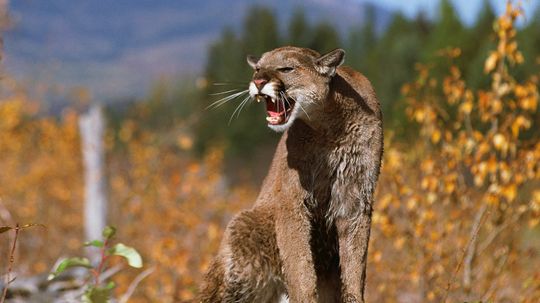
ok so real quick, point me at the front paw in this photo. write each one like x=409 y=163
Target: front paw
x=348 y=298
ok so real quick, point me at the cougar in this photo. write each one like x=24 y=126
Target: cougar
x=306 y=237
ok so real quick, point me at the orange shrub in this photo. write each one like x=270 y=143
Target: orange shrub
x=454 y=216
x=40 y=180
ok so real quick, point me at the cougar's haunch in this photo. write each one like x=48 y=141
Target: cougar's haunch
x=306 y=237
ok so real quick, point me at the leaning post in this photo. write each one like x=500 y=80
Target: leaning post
x=92 y=128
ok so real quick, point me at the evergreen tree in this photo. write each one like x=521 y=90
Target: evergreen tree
x=483 y=27
x=387 y=59
x=223 y=55
x=325 y=38
x=299 y=30
x=227 y=65
x=529 y=42
x=362 y=41
x=391 y=63
x=260 y=32
x=448 y=31
x=479 y=42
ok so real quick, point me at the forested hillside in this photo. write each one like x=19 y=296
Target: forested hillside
x=388 y=58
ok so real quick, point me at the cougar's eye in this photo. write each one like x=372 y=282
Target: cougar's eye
x=285 y=69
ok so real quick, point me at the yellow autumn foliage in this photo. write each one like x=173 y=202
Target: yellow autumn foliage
x=465 y=199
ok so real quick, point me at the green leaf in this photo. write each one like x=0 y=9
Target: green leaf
x=108 y=232
x=132 y=256
x=69 y=263
x=3 y=229
x=95 y=243
x=97 y=295
x=110 y=285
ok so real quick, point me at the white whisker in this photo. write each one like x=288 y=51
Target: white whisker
x=285 y=99
x=224 y=100
x=225 y=92
x=242 y=105
x=229 y=83
x=302 y=108
x=239 y=108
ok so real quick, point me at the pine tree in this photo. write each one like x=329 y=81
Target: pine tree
x=448 y=31
x=299 y=30
x=227 y=65
x=362 y=41
x=223 y=55
x=529 y=42
x=479 y=42
x=260 y=32
x=391 y=63
x=325 y=38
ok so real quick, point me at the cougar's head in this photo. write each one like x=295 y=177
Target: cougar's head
x=292 y=82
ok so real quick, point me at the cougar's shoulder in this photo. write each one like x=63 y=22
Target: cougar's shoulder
x=352 y=79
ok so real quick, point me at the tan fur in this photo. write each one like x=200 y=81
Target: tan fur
x=307 y=234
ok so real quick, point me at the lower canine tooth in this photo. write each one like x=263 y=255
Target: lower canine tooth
x=273 y=119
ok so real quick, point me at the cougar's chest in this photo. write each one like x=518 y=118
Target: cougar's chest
x=318 y=162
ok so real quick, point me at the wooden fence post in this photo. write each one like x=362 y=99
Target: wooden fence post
x=92 y=127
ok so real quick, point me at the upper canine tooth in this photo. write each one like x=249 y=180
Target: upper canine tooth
x=273 y=100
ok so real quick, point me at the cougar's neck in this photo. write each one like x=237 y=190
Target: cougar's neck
x=330 y=119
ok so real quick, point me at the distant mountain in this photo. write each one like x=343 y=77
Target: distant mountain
x=118 y=48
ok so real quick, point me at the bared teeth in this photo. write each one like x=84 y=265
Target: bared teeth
x=274 y=120
x=260 y=98
x=277 y=110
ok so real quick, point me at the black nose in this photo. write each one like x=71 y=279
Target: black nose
x=259 y=83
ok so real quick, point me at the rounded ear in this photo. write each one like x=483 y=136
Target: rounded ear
x=252 y=61
x=329 y=62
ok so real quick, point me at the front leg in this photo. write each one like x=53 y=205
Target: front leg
x=293 y=232
x=353 y=234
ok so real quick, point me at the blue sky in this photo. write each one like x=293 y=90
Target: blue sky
x=467 y=9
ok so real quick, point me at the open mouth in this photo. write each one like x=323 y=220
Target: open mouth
x=278 y=110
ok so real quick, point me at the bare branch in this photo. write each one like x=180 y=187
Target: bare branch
x=471 y=250
x=491 y=236
x=10 y=267
x=131 y=289
x=474 y=235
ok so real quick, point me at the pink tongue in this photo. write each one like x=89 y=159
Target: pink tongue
x=273 y=109
x=273 y=114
